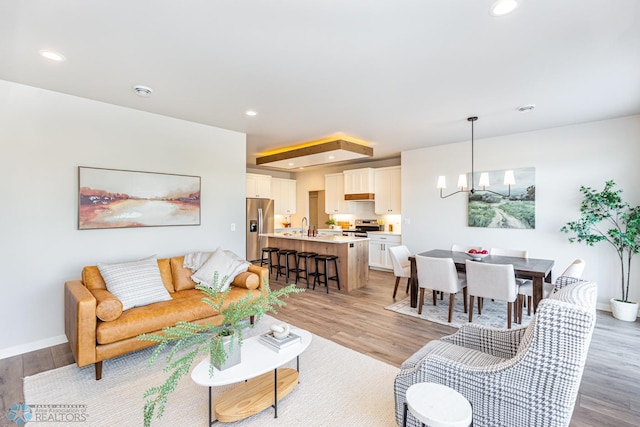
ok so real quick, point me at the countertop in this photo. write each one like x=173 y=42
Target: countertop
x=327 y=238
x=388 y=233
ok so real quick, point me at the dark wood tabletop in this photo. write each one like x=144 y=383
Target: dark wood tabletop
x=538 y=270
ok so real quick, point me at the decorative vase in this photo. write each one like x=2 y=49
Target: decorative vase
x=234 y=353
x=626 y=311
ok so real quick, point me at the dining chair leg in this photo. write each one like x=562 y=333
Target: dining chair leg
x=408 y=285
x=441 y=295
x=480 y=302
x=464 y=295
x=420 y=300
x=520 y=308
x=451 y=302
x=435 y=297
x=470 y=308
x=395 y=289
x=509 y=306
x=529 y=307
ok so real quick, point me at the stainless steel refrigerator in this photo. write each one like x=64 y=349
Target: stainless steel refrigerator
x=259 y=221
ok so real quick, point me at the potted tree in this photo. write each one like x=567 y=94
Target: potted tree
x=221 y=343
x=604 y=216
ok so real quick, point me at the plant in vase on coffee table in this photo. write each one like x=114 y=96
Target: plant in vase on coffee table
x=189 y=340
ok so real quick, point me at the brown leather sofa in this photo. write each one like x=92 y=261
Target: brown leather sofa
x=98 y=329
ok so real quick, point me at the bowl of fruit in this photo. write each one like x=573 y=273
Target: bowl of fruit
x=477 y=254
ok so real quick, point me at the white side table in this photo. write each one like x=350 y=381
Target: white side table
x=437 y=405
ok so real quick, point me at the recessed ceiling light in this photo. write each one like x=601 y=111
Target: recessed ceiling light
x=251 y=113
x=143 y=91
x=503 y=7
x=526 y=108
x=291 y=163
x=50 y=54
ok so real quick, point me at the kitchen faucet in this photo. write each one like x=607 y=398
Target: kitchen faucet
x=304 y=219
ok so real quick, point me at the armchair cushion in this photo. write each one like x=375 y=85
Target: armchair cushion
x=502 y=343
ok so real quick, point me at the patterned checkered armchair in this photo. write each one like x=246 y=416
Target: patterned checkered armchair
x=523 y=377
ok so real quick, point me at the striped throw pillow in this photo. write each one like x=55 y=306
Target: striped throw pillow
x=135 y=283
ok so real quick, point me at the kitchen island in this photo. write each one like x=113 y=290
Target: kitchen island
x=352 y=252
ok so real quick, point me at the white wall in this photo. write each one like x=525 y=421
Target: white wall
x=44 y=137
x=565 y=158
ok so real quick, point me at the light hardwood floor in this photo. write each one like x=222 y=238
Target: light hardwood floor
x=609 y=394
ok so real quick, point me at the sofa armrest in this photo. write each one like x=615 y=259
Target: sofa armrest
x=80 y=321
x=497 y=342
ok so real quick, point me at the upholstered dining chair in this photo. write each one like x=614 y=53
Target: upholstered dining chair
x=571 y=274
x=463 y=248
x=439 y=274
x=495 y=281
x=401 y=265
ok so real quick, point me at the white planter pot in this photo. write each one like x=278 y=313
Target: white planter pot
x=233 y=355
x=627 y=311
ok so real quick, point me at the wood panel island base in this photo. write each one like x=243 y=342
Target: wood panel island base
x=352 y=252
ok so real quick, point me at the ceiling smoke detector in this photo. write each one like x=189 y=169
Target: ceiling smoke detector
x=526 y=108
x=143 y=91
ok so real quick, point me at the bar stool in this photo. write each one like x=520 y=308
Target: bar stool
x=437 y=405
x=268 y=251
x=307 y=256
x=318 y=275
x=287 y=253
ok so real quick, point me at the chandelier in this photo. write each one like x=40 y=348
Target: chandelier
x=483 y=182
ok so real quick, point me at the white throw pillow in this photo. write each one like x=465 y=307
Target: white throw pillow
x=226 y=263
x=135 y=283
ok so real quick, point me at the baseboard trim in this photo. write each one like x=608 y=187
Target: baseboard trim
x=32 y=346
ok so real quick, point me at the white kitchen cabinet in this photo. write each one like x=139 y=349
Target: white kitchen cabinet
x=379 y=244
x=388 y=190
x=258 y=185
x=334 y=202
x=359 y=181
x=283 y=193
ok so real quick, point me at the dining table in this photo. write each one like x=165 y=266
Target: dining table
x=537 y=270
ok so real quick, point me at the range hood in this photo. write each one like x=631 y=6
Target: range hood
x=359 y=197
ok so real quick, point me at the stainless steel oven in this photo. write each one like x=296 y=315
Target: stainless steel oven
x=361 y=228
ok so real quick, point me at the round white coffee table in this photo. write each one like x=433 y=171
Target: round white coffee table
x=265 y=383
x=437 y=405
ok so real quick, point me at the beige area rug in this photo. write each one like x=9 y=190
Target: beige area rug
x=338 y=387
x=494 y=313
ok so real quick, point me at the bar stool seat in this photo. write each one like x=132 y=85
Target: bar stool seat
x=319 y=275
x=307 y=256
x=269 y=251
x=437 y=405
x=284 y=263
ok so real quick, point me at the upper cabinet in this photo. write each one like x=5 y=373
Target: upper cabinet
x=359 y=181
x=359 y=184
x=388 y=189
x=334 y=194
x=283 y=193
x=259 y=186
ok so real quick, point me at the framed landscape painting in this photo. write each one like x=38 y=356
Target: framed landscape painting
x=513 y=207
x=111 y=198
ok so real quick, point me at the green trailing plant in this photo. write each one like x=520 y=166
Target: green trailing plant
x=330 y=221
x=604 y=216
x=187 y=340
